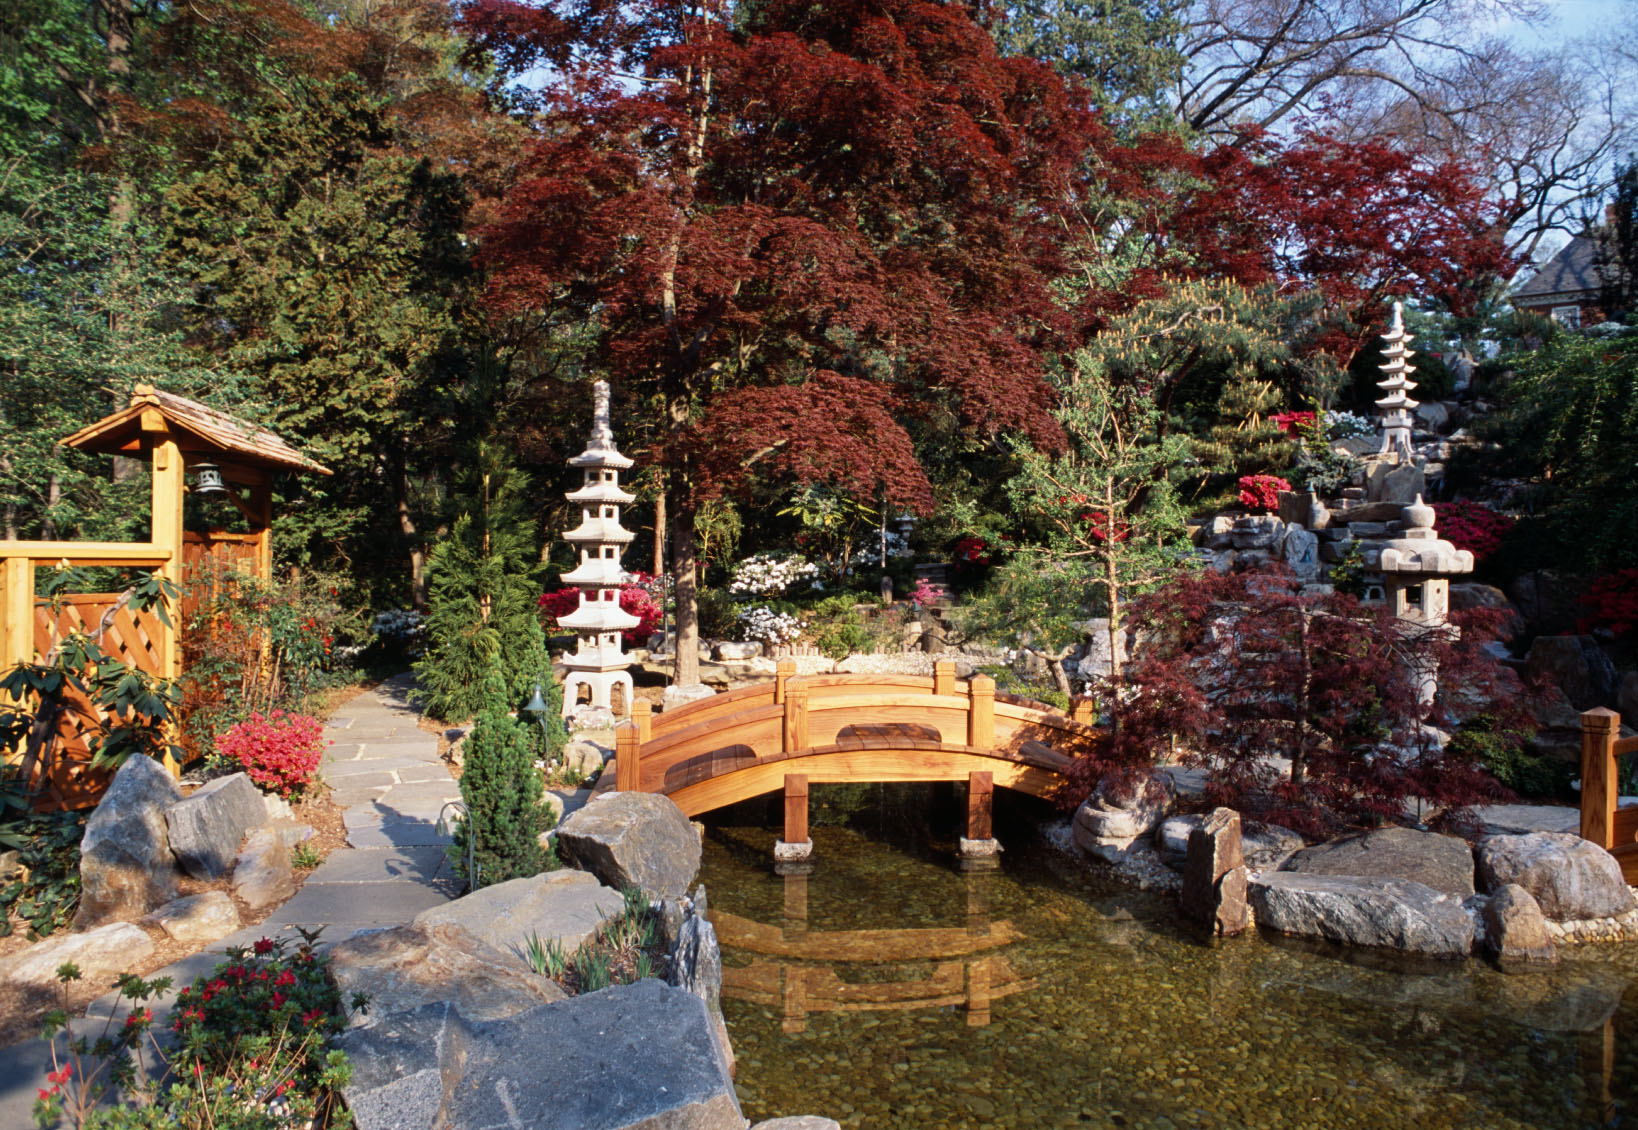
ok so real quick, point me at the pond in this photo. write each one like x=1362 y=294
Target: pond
x=889 y=988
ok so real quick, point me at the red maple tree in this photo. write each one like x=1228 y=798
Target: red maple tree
x=794 y=229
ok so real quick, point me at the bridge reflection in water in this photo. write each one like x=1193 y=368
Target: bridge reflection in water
x=801 y=971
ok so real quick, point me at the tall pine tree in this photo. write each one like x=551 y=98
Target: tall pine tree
x=484 y=581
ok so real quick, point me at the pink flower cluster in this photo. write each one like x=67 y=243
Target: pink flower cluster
x=1261 y=493
x=280 y=751
x=641 y=599
x=1612 y=602
x=1291 y=422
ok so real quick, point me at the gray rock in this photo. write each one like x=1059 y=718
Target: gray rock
x=1547 y=601
x=1302 y=508
x=207 y=827
x=629 y=1057
x=1256 y=531
x=675 y=696
x=1515 y=930
x=585 y=758
x=126 y=868
x=737 y=652
x=696 y=967
x=561 y=905
x=1214 y=876
x=1267 y=846
x=198 y=919
x=633 y=840
x=1470 y=594
x=1110 y=820
x=1444 y=863
x=1301 y=552
x=1572 y=878
x=118 y=947
x=1391 y=914
x=1432 y=415
x=1095 y=663
x=1172 y=838
x=262 y=875
x=1577 y=666
x=407 y=967
x=1390 y=482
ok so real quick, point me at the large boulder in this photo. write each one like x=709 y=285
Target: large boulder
x=1301 y=552
x=197 y=919
x=1515 y=930
x=560 y=906
x=1214 y=876
x=1172 y=838
x=1267 y=846
x=262 y=875
x=1110 y=820
x=1403 y=483
x=207 y=827
x=1576 y=665
x=1571 y=878
x=1394 y=914
x=118 y=947
x=126 y=868
x=1444 y=863
x=629 y=1057
x=1468 y=595
x=407 y=967
x=633 y=840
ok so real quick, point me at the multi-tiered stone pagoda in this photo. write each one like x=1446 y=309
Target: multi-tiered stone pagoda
x=598 y=661
x=1396 y=406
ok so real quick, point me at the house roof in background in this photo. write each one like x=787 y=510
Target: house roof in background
x=202 y=430
x=1573 y=272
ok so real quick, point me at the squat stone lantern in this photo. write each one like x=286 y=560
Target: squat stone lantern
x=598 y=662
x=1416 y=568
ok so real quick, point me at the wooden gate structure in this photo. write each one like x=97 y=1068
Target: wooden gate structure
x=788 y=733
x=171 y=433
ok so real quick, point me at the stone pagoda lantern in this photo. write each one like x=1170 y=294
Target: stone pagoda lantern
x=598 y=662
x=1416 y=568
x=1395 y=383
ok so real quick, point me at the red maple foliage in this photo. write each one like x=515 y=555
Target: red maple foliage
x=1244 y=667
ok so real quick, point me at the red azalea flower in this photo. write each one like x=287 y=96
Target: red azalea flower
x=265 y=946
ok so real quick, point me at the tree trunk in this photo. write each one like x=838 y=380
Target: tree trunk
x=659 y=528
x=687 y=671
x=1060 y=678
x=406 y=526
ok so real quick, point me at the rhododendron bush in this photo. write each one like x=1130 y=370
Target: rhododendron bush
x=280 y=751
x=1612 y=602
x=642 y=599
x=1261 y=492
x=1472 y=526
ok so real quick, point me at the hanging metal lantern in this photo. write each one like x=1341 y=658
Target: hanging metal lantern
x=207 y=481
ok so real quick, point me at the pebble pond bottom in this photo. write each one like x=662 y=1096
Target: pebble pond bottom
x=890 y=989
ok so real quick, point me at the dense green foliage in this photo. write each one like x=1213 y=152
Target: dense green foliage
x=502 y=791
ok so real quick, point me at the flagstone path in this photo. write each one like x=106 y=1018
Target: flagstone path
x=385 y=773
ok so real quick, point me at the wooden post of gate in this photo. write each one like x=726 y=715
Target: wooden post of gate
x=944 y=677
x=1084 y=710
x=981 y=712
x=980 y=805
x=627 y=755
x=642 y=716
x=783 y=674
x=796 y=719
x=17 y=610
x=796 y=808
x=166 y=492
x=1600 y=727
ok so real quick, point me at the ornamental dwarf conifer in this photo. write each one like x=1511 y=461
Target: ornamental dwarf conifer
x=483 y=582
x=502 y=791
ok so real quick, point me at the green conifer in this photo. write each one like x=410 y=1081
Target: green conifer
x=484 y=583
x=502 y=791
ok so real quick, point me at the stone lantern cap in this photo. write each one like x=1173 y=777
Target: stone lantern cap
x=1420 y=549
x=600 y=450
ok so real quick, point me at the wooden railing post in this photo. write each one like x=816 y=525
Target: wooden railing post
x=796 y=719
x=944 y=677
x=785 y=672
x=1599 y=728
x=642 y=716
x=627 y=756
x=16 y=610
x=981 y=712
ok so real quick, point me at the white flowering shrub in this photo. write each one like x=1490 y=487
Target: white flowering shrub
x=1347 y=425
x=769 y=575
x=763 y=625
x=871 y=552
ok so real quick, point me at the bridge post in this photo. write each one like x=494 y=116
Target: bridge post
x=796 y=720
x=944 y=677
x=981 y=712
x=784 y=673
x=627 y=753
x=1600 y=727
x=1084 y=710
x=642 y=714
x=979 y=847
x=792 y=854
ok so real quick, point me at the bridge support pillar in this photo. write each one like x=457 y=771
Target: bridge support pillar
x=979 y=847
x=793 y=855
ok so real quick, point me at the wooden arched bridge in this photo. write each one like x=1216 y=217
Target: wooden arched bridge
x=827 y=729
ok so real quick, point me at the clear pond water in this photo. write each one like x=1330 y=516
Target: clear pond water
x=890 y=989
